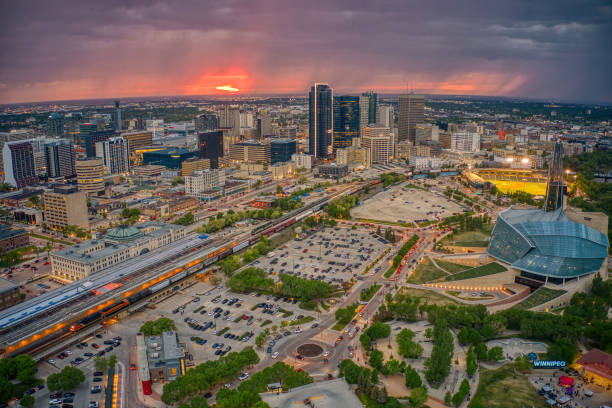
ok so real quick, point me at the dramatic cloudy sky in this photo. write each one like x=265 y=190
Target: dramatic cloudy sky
x=54 y=50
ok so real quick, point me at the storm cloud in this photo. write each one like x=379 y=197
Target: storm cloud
x=54 y=50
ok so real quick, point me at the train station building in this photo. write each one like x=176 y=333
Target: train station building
x=116 y=246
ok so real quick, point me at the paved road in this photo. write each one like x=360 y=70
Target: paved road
x=288 y=345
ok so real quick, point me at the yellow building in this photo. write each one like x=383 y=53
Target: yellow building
x=596 y=367
x=90 y=175
x=190 y=165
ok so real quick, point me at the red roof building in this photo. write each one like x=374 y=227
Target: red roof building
x=596 y=366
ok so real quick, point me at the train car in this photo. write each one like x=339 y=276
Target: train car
x=85 y=322
x=261 y=228
x=115 y=307
x=138 y=296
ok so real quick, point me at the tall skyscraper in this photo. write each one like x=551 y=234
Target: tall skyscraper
x=264 y=125
x=386 y=115
x=117 y=116
x=411 y=112
x=210 y=146
x=55 y=125
x=364 y=109
x=320 y=121
x=373 y=112
x=90 y=135
x=346 y=120
x=115 y=153
x=206 y=122
x=19 y=166
x=60 y=157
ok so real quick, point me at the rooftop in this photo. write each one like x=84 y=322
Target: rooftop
x=6 y=285
x=7 y=232
x=164 y=350
x=547 y=243
x=326 y=394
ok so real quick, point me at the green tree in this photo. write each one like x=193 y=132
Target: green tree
x=413 y=380
x=27 y=401
x=67 y=379
x=471 y=365
x=418 y=396
x=157 y=327
x=376 y=359
x=112 y=361
x=496 y=353
x=101 y=363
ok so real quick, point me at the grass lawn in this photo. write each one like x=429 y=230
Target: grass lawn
x=429 y=296
x=473 y=244
x=541 y=295
x=501 y=389
x=484 y=270
x=424 y=272
x=451 y=266
x=468 y=236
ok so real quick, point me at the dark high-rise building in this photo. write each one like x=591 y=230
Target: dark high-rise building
x=117 y=116
x=19 y=166
x=281 y=150
x=210 y=146
x=372 y=106
x=320 y=121
x=55 y=125
x=60 y=157
x=346 y=120
x=206 y=122
x=411 y=112
x=89 y=135
x=555 y=188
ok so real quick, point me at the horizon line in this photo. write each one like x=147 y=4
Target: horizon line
x=305 y=96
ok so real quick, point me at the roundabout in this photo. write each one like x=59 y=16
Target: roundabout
x=310 y=350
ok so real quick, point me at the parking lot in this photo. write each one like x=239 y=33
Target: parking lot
x=406 y=204
x=333 y=255
x=212 y=321
x=90 y=392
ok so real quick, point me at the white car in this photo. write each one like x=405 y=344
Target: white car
x=298 y=330
x=69 y=352
x=51 y=361
x=55 y=401
x=326 y=353
x=275 y=354
x=244 y=376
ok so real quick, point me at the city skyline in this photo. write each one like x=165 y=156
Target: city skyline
x=85 y=50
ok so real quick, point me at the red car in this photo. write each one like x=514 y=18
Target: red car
x=330 y=377
x=132 y=367
x=94 y=345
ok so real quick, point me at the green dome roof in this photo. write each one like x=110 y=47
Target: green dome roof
x=123 y=233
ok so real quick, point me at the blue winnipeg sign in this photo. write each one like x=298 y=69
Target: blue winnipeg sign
x=548 y=364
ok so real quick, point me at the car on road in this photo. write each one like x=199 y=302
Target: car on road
x=243 y=376
x=132 y=367
x=314 y=325
x=275 y=354
x=326 y=353
x=51 y=361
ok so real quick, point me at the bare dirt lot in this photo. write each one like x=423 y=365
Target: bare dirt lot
x=406 y=204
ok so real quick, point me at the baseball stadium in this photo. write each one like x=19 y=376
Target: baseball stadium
x=508 y=180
